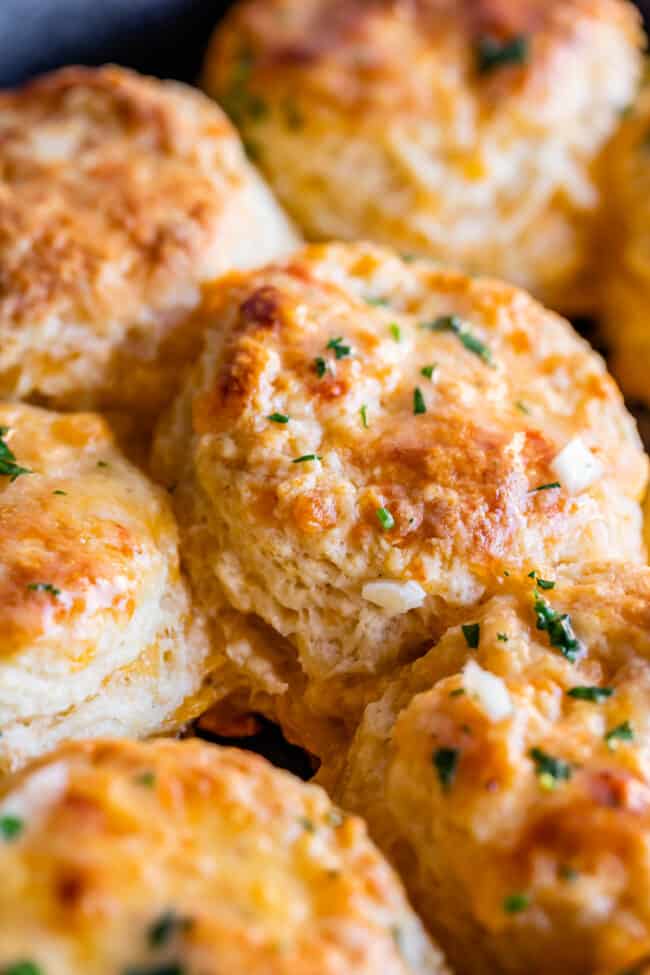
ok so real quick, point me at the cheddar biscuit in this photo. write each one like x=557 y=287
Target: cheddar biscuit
x=363 y=448
x=508 y=780
x=98 y=636
x=185 y=857
x=464 y=130
x=624 y=249
x=119 y=196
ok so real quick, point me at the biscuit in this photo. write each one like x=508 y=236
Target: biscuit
x=509 y=780
x=366 y=445
x=463 y=130
x=98 y=636
x=119 y=196
x=188 y=858
x=625 y=252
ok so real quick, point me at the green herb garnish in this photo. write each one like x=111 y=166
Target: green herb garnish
x=472 y=634
x=588 y=693
x=493 y=53
x=521 y=406
x=545 y=583
x=293 y=116
x=165 y=927
x=503 y=637
x=559 y=629
x=320 y=365
x=545 y=487
x=10 y=827
x=339 y=348
x=515 y=903
x=307 y=824
x=568 y=873
x=8 y=466
x=395 y=331
x=364 y=416
x=238 y=101
x=419 y=406
x=44 y=587
x=549 y=770
x=146 y=778
x=377 y=302
x=397 y=935
x=385 y=519
x=452 y=323
x=428 y=371
x=445 y=761
x=305 y=457
x=622 y=732
x=278 y=418
x=23 y=968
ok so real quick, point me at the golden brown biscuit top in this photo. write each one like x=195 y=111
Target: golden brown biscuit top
x=552 y=794
x=122 y=856
x=85 y=539
x=111 y=187
x=394 y=404
x=355 y=52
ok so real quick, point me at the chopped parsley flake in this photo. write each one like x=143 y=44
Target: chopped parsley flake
x=397 y=935
x=102 y=463
x=278 y=418
x=238 y=101
x=292 y=114
x=521 y=406
x=10 y=827
x=377 y=302
x=445 y=761
x=395 y=331
x=44 y=587
x=472 y=634
x=493 y=53
x=23 y=968
x=452 y=323
x=307 y=824
x=385 y=519
x=364 y=416
x=419 y=406
x=568 y=873
x=320 y=365
x=503 y=637
x=305 y=457
x=146 y=778
x=457 y=692
x=545 y=487
x=165 y=927
x=593 y=694
x=339 y=348
x=622 y=732
x=8 y=466
x=545 y=583
x=515 y=903
x=559 y=629
x=549 y=770
x=428 y=371
x=59 y=492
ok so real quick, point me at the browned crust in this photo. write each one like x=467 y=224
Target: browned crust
x=355 y=50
